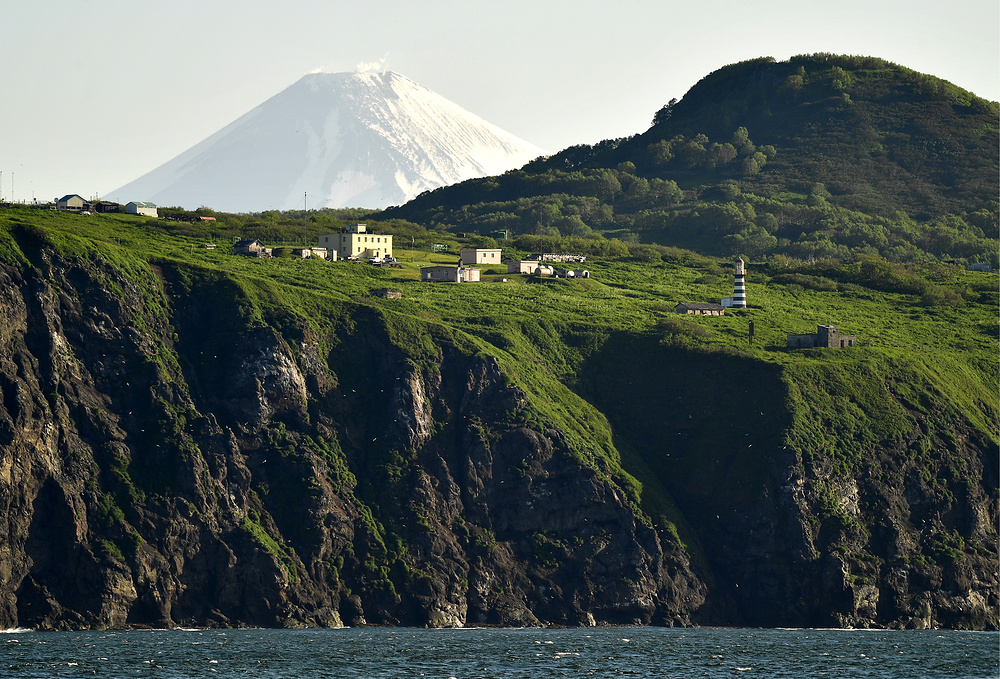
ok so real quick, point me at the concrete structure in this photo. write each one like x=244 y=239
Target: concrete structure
x=470 y=256
x=700 y=309
x=141 y=208
x=356 y=242
x=72 y=203
x=450 y=274
x=251 y=248
x=827 y=336
x=306 y=253
x=530 y=266
x=386 y=293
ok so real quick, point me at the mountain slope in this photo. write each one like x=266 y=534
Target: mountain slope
x=334 y=140
x=878 y=135
x=816 y=157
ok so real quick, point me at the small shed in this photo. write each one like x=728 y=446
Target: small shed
x=827 y=337
x=141 y=208
x=700 y=309
x=479 y=256
x=530 y=266
x=306 y=253
x=106 y=206
x=251 y=248
x=450 y=274
x=72 y=203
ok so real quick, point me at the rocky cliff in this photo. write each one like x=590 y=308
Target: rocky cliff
x=892 y=525
x=169 y=459
x=173 y=451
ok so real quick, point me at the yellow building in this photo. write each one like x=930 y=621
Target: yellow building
x=355 y=241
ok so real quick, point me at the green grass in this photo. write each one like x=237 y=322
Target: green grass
x=575 y=346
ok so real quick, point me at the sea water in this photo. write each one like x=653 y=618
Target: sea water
x=534 y=653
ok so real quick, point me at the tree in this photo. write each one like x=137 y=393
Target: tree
x=753 y=242
x=573 y=226
x=665 y=191
x=720 y=154
x=794 y=82
x=693 y=154
x=663 y=115
x=729 y=189
x=637 y=190
x=741 y=140
x=768 y=222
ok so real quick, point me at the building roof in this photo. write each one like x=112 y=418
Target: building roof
x=68 y=196
x=140 y=203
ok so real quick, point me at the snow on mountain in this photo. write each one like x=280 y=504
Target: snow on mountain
x=334 y=140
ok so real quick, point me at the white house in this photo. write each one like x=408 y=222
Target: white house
x=141 y=208
x=470 y=256
x=72 y=203
x=452 y=274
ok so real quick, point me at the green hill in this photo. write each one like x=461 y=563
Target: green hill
x=189 y=437
x=822 y=156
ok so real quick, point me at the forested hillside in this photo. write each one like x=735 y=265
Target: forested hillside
x=822 y=156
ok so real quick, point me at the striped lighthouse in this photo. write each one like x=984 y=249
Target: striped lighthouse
x=739 y=285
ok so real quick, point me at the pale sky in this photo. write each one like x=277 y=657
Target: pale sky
x=96 y=93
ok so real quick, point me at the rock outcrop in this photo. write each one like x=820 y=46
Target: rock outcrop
x=896 y=533
x=172 y=454
x=166 y=460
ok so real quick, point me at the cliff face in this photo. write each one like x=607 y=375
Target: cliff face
x=172 y=454
x=870 y=530
x=166 y=458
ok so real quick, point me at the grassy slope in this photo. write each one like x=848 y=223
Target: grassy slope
x=554 y=334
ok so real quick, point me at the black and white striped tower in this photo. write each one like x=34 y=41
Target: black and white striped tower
x=739 y=285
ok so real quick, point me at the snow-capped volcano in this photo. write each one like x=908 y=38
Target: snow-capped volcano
x=334 y=140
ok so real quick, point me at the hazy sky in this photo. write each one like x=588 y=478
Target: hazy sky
x=96 y=93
